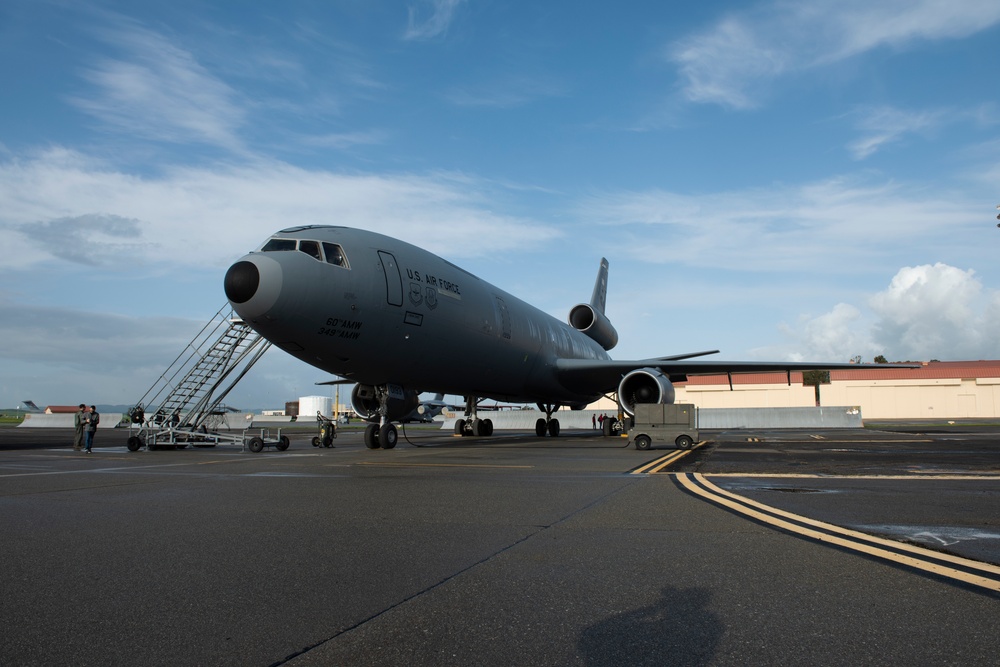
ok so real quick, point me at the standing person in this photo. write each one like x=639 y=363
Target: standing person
x=93 y=420
x=593 y=421
x=79 y=422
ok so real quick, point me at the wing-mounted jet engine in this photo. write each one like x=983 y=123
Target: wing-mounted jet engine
x=381 y=406
x=589 y=318
x=644 y=385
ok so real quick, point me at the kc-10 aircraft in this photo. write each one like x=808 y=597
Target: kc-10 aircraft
x=398 y=321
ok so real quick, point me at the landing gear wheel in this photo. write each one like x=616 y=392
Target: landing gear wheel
x=540 y=428
x=387 y=436
x=256 y=445
x=459 y=427
x=488 y=426
x=371 y=436
x=283 y=443
x=643 y=442
x=554 y=428
x=477 y=427
x=684 y=442
x=134 y=443
x=316 y=441
x=607 y=425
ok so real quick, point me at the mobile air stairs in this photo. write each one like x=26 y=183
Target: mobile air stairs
x=188 y=395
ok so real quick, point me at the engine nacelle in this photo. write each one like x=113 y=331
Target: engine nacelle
x=594 y=324
x=644 y=385
x=400 y=402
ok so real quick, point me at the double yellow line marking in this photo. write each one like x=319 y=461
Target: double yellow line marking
x=970 y=572
x=664 y=461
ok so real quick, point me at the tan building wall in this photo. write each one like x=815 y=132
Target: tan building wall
x=940 y=398
x=748 y=396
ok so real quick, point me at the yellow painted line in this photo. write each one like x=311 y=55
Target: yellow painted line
x=435 y=465
x=846 y=538
x=978 y=477
x=664 y=461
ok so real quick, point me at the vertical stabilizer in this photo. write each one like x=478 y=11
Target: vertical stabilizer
x=600 y=295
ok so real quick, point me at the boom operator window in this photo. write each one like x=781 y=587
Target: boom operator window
x=333 y=253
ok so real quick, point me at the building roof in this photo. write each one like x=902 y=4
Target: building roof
x=929 y=370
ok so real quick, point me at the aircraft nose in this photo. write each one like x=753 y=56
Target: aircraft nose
x=253 y=285
x=242 y=280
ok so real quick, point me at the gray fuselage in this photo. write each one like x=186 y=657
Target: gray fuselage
x=388 y=312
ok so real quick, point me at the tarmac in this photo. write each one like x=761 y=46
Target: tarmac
x=838 y=547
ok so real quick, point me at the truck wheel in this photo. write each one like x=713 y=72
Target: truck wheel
x=643 y=442
x=684 y=442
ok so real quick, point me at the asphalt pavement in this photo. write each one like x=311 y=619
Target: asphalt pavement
x=497 y=551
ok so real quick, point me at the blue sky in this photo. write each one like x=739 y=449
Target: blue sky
x=778 y=180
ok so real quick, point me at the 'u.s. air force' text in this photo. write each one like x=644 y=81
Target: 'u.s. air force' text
x=434 y=281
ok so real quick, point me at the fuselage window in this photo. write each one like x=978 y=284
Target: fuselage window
x=335 y=255
x=274 y=245
x=311 y=248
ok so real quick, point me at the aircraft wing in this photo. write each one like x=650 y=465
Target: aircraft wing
x=605 y=375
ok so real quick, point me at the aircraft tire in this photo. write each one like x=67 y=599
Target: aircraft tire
x=134 y=443
x=488 y=425
x=283 y=443
x=459 y=427
x=683 y=442
x=477 y=427
x=387 y=436
x=256 y=445
x=540 y=428
x=643 y=442
x=554 y=428
x=371 y=436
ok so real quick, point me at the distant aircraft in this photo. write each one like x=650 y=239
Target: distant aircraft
x=427 y=410
x=31 y=406
x=399 y=321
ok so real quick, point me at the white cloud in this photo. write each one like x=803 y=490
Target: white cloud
x=159 y=91
x=442 y=13
x=732 y=62
x=927 y=312
x=46 y=199
x=884 y=125
x=813 y=226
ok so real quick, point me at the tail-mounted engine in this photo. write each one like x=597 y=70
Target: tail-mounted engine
x=588 y=320
x=644 y=385
x=367 y=401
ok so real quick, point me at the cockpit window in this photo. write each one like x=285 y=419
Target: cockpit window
x=335 y=255
x=274 y=245
x=311 y=248
x=317 y=250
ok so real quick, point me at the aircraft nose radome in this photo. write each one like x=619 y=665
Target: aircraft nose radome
x=242 y=280
x=253 y=286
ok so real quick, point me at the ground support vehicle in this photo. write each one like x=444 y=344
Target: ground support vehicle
x=327 y=432
x=675 y=423
x=166 y=436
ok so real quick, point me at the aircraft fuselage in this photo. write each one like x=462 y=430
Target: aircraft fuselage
x=386 y=312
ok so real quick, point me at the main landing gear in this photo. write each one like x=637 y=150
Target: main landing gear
x=547 y=425
x=381 y=436
x=472 y=424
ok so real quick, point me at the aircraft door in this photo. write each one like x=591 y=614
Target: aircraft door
x=393 y=281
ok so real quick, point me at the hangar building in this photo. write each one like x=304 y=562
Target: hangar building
x=936 y=390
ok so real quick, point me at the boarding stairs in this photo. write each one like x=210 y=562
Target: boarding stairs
x=190 y=392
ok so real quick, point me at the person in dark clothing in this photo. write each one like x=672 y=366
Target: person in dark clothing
x=93 y=419
x=79 y=423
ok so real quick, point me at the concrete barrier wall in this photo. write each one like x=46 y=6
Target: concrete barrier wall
x=39 y=420
x=815 y=417
x=709 y=418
